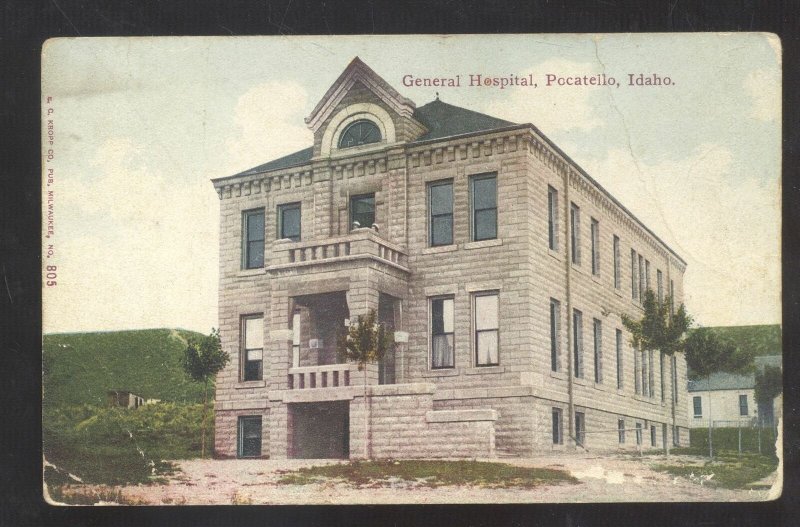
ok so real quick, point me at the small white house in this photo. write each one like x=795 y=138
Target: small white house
x=726 y=399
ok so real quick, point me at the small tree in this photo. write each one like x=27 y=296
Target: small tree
x=661 y=328
x=769 y=384
x=202 y=359
x=707 y=353
x=364 y=342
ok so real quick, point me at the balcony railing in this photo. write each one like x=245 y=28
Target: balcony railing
x=359 y=244
x=330 y=376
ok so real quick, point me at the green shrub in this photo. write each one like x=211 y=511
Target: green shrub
x=121 y=445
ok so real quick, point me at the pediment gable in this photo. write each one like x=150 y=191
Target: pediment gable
x=358 y=73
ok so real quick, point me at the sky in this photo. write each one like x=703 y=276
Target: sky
x=141 y=125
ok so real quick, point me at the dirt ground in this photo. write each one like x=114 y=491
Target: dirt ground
x=607 y=478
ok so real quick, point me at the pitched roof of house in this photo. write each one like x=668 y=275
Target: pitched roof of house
x=723 y=381
x=441 y=119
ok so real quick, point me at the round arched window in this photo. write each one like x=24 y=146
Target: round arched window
x=361 y=132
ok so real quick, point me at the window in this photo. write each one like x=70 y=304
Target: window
x=253 y=235
x=660 y=285
x=661 y=375
x=486 y=329
x=652 y=435
x=484 y=207
x=552 y=218
x=641 y=279
x=675 y=378
x=442 y=337
x=676 y=436
x=575 y=232
x=644 y=372
x=671 y=297
x=639 y=433
x=697 y=402
x=362 y=210
x=580 y=428
x=253 y=341
x=249 y=436
x=577 y=343
x=555 y=334
x=621 y=430
x=743 y=405
x=620 y=383
x=651 y=374
x=361 y=132
x=597 y=327
x=295 y=340
x=616 y=262
x=595 y=247
x=440 y=207
x=637 y=371
x=289 y=222
x=647 y=275
x=558 y=438
x=634 y=277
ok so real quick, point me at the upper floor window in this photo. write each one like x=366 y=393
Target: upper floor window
x=361 y=132
x=595 y=247
x=253 y=239
x=552 y=218
x=442 y=333
x=362 y=210
x=616 y=262
x=575 y=232
x=440 y=207
x=642 y=287
x=660 y=285
x=484 y=207
x=620 y=382
x=296 y=339
x=289 y=222
x=486 y=323
x=647 y=275
x=634 y=277
x=697 y=404
x=253 y=344
x=743 y=405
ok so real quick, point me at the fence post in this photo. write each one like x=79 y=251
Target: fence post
x=739 y=422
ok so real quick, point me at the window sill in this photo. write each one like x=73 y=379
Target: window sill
x=554 y=254
x=621 y=391
x=558 y=375
x=600 y=386
x=439 y=249
x=576 y=267
x=444 y=372
x=480 y=370
x=644 y=399
x=241 y=385
x=579 y=381
x=596 y=279
x=618 y=292
x=484 y=243
x=251 y=272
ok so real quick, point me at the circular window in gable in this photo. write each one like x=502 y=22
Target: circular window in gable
x=361 y=132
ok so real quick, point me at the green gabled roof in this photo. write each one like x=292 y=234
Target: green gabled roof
x=296 y=158
x=445 y=120
x=441 y=119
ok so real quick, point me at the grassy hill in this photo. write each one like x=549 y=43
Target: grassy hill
x=757 y=340
x=80 y=367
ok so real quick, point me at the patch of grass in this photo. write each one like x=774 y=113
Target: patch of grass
x=117 y=446
x=730 y=470
x=430 y=473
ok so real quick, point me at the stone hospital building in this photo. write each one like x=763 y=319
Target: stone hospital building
x=500 y=265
